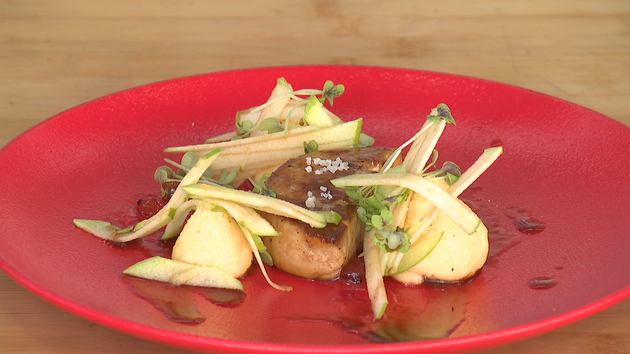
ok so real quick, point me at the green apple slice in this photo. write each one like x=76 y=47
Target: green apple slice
x=374 y=276
x=315 y=115
x=417 y=253
x=182 y=273
x=101 y=229
x=279 y=99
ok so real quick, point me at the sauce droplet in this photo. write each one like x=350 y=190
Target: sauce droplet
x=353 y=272
x=542 y=283
x=496 y=142
x=524 y=222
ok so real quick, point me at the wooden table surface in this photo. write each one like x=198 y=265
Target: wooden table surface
x=57 y=54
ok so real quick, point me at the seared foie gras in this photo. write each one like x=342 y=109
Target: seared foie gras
x=309 y=252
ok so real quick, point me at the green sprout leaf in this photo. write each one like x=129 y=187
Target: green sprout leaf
x=331 y=91
x=375 y=211
x=164 y=174
x=353 y=193
x=390 y=241
x=452 y=172
x=441 y=112
x=362 y=215
x=226 y=177
x=451 y=178
x=271 y=125
x=452 y=168
x=365 y=140
x=261 y=188
x=381 y=221
x=245 y=127
x=433 y=162
x=189 y=160
x=311 y=146
x=376 y=201
x=449 y=171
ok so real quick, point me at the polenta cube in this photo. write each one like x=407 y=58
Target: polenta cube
x=456 y=257
x=214 y=239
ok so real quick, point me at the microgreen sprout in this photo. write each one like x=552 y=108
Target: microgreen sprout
x=167 y=174
x=261 y=188
x=390 y=241
x=375 y=205
x=311 y=146
x=331 y=91
x=327 y=93
x=365 y=140
x=243 y=128
x=441 y=112
x=449 y=171
x=270 y=125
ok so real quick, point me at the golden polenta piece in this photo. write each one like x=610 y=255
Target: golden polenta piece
x=213 y=239
x=458 y=256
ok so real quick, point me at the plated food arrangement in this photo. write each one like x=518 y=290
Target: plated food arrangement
x=319 y=197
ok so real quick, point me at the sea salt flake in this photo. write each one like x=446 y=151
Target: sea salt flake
x=310 y=200
x=331 y=166
x=326 y=195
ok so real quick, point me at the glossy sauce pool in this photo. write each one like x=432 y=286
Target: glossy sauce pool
x=420 y=312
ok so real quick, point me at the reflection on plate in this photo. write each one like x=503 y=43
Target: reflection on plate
x=556 y=205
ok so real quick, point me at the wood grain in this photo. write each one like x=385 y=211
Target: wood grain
x=57 y=54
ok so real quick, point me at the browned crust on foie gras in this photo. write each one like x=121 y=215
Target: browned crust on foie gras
x=308 y=252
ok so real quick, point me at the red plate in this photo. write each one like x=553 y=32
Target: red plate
x=564 y=166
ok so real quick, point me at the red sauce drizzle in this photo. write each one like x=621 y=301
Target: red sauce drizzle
x=402 y=322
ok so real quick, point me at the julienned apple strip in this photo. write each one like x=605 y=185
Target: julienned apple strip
x=422 y=148
x=279 y=148
x=162 y=218
x=178 y=198
x=234 y=145
x=245 y=216
x=446 y=203
x=374 y=276
x=486 y=159
x=467 y=178
x=286 y=150
x=261 y=153
x=263 y=203
x=277 y=142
